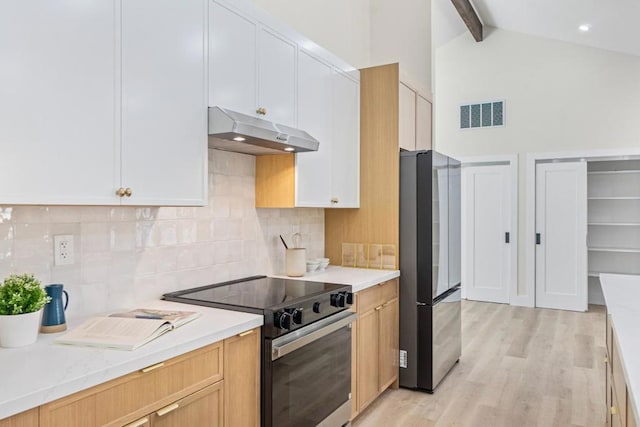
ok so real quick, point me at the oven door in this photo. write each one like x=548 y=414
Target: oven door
x=311 y=374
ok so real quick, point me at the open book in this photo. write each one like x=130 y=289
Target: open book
x=126 y=331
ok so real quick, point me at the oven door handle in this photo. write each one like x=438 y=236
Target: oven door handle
x=295 y=340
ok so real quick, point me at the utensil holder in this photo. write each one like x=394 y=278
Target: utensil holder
x=296 y=262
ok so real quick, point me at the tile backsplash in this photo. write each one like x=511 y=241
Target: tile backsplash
x=128 y=255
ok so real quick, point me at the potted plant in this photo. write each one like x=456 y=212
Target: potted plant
x=21 y=302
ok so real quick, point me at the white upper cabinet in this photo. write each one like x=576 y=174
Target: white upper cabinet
x=315 y=115
x=164 y=102
x=346 y=142
x=57 y=102
x=407 y=124
x=232 y=60
x=102 y=96
x=277 y=78
x=423 y=123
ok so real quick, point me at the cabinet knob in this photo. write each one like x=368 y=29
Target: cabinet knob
x=262 y=111
x=614 y=410
x=334 y=200
x=128 y=192
x=120 y=192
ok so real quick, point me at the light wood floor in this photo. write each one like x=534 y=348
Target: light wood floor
x=519 y=367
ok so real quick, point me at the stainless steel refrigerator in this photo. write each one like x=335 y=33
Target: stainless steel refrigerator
x=430 y=245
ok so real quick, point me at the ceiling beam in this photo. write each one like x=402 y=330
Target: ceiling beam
x=470 y=17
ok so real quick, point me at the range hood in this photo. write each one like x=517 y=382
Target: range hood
x=241 y=133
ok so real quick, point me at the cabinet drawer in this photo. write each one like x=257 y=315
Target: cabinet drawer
x=609 y=333
x=24 y=419
x=127 y=398
x=203 y=408
x=376 y=295
x=631 y=415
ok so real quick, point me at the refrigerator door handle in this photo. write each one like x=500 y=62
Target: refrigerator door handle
x=421 y=303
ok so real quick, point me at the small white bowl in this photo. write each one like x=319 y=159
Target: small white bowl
x=312 y=266
x=324 y=262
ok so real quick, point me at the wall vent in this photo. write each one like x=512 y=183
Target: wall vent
x=482 y=115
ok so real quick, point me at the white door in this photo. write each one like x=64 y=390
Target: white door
x=345 y=170
x=561 y=231
x=277 y=77
x=315 y=116
x=232 y=60
x=487 y=249
x=164 y=110
x=407 y=123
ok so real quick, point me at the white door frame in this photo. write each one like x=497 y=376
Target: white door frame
x=512 y=162
x=529 y=299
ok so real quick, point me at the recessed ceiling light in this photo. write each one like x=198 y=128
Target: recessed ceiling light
x=584 y=27
x=239 y=139
x=289 y=149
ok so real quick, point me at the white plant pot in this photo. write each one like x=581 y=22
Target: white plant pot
x=20 y=329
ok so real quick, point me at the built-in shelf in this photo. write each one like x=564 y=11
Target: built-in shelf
x=616 y=224
x=620 y=250
x=614 y=198
x=612 y=172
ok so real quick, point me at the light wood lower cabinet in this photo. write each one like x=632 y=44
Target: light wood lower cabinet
x=23 y=419
x=620 y=412
x=202 y=408
x=242 y=380
x=217 y=385
x=375 y=355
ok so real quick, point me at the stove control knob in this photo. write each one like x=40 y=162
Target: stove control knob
x=283 y=320
x=297 y=316
x=317 y=307
x=348 y=297
x=338 y=300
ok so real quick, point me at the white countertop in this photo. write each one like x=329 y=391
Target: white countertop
x=358 y=278
x=44 y=371
x=622 y=296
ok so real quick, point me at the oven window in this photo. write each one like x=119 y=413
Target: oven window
x=313 y=381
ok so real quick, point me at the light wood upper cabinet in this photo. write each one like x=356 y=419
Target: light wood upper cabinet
x=424 y=111
x=232 y=60
x=407 y=124
x=277 y=78
x=415 y=119
x=164 y=102
x=57 y=103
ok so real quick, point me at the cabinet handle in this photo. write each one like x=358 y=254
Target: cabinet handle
x=138 y=423
x=120 y=192
x=128 y=192
x=152 y=367
x=262 y=111
x=606 y=359
x=614 y=410
x=167 y=409
x=244 y=334
x=378 y=308
x=334 y=200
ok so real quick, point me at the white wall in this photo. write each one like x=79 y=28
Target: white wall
x=401 y=32
x=559 y=96
x=339 y=26
x=365 y=32
x=128 y=255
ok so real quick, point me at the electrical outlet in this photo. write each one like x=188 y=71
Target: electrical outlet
x=403 y=358
x=63 y=249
